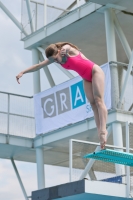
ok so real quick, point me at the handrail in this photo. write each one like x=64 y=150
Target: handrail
x=11 y=114
x=20 y=95
x=119 y=63
x=14 y=114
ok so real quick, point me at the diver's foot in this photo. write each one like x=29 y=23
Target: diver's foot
x=103 y=139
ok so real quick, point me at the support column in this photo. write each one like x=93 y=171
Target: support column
x=40 y=168
x=30 y=15
x=45 y=12
x=36 y=75
x=128 y=178
x=111 y=52
x=112 y=56
x=118 y=141
x=39 y=151
x=120 y=80
x=78 y=3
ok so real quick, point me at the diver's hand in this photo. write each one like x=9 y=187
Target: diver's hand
x=63 y=51
x=19 y=76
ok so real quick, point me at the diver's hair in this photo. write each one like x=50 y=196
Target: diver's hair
x=52 y=49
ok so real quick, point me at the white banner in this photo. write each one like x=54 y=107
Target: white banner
x=66 y=104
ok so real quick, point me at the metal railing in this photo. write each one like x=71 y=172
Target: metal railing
x=17 y=115
x=38 y=13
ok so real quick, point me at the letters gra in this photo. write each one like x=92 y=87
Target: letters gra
x=63 y=100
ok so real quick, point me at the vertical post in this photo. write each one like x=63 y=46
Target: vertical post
x=111 y=52
x=36 y=75
x=40 y=167
x=70 y=160
x=8 y=119
x=30 y=15
x=127 y=167
x=78 y=4
x=36 y=17
x=45 y=12
x=120 y=80
x=78 y=10
x=118 y=141
x=39 y=151
x=112 y=56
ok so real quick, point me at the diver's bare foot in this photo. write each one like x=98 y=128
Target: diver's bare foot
x=103 y=139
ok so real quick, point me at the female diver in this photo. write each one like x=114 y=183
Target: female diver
x=69 y=57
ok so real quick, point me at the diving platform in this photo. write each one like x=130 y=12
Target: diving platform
x=83 y=189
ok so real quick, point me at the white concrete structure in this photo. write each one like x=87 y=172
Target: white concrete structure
x=90 y=26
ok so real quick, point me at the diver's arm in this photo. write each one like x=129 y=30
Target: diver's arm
x=33 y=68
x=37 y=66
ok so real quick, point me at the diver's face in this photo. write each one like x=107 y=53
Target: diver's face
x=57 y=58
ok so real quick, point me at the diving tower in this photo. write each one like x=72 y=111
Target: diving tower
x=103 y=31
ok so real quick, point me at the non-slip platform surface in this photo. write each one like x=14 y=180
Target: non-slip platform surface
x=113 y=156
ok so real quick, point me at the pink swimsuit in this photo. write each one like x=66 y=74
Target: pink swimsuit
x=80 y=65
